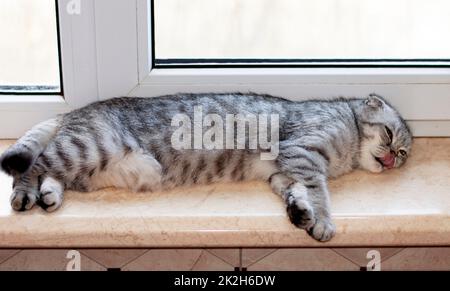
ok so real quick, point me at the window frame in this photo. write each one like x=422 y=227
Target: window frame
x=98 y=64
x=18 y=113
x=299 y=83
x=38 y=89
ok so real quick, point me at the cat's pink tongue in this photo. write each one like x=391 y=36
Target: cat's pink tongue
x=388 y=160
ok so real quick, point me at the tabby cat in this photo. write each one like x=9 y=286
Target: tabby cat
x=126 y=142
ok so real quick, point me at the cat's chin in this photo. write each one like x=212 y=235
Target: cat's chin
x=371 y=165
x=375 y=166
x=374 y=170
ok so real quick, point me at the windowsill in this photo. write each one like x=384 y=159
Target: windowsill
x=405 y=207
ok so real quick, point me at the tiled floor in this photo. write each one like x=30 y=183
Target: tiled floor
x=289 y=259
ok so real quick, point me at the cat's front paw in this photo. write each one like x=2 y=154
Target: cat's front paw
x=23 y=200
x=50 y=200
x=323 y=230
x=300 y=213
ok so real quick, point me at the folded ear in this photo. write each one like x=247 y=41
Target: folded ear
x=374 y=101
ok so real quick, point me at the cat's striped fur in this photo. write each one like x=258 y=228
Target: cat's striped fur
x=126 y=142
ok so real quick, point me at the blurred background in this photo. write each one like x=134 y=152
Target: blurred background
x=229 y=29
x=296 y=29
x=28 y=43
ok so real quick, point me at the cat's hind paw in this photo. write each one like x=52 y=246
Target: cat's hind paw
x=51 y=196
x=50 y=201
x=22 y=200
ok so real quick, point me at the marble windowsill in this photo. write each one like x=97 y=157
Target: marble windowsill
x=404 y=207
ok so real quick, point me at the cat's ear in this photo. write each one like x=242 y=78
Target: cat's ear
x=374 y=101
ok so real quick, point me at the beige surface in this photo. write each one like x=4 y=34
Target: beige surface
x=408 y=206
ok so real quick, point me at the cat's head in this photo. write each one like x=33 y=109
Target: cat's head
x=385 y=138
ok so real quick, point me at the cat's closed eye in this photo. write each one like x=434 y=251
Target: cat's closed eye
x=389 y=133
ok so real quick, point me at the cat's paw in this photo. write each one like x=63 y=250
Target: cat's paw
x=323 y=230
x=23 y=200
x=300 y=213
x=50 y=200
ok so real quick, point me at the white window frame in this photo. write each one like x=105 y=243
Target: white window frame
x=106 y=52
x=18 y=113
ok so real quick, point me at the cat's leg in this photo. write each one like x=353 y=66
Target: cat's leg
x=298 y=207
x=319 y=197
x=25 y=192
x=51 y=194
x=308 y=166
x=307 y=203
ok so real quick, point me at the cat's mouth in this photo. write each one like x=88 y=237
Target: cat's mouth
x=387 y=161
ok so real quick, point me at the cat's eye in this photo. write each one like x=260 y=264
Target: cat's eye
x=402 y=152
x=389 y=133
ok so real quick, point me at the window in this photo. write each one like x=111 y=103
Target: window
x=47 y=61
x=29 y=57
x=296 y=49
x=301 y=32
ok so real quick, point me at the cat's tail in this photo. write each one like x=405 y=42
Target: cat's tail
x=22 y=155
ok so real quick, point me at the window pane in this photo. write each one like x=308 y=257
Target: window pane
x=302 y=29
x=29 y=46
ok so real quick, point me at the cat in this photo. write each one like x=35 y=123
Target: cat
x=127 y=142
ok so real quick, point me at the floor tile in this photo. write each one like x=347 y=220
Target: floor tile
x=209 y=262
x=303 y=260
x=113 y=258
x=5 y=254
x=165 y=260
x=426 y=259
x=250 y=256
x=46 y=260
x=359 y=255
x=231 y=256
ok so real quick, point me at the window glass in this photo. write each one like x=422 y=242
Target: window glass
x=29 y=60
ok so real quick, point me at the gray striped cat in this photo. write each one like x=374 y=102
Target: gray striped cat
x=126 y=142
